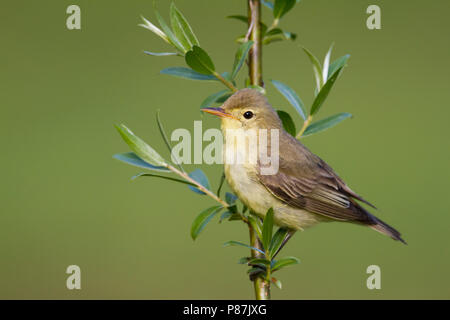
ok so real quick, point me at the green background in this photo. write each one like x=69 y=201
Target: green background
x=65 y=200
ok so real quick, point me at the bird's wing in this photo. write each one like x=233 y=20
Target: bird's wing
x=305 y=181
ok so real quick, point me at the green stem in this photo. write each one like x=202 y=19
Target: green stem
x=261 y=286
x=305 y=125
x=225 y=82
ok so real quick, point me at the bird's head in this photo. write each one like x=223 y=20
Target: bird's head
x=247 y=109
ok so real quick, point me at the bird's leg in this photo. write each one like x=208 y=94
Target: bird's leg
x=286 y=239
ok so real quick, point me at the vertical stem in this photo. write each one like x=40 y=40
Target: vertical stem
x=255 y=54
x=261 y=286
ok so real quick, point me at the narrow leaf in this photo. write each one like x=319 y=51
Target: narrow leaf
x=161 y=54
x=291 y=96
x=159 y=176
x=239 y=17
x=326 y=64
x=225 y=215
x=222 y=180
x=326 y=123
x=202 y=220
x=186 y=73
x=281 y=7
x=268 y=4
x=181 y=28
x=339 y=63
x=256 y=225
x=150 y=26
x=215 y=97
x=267 y=229
x=288 y=123
x=323 y=93
x=170 y=35
x=199 y=176
x=277 y=241
x=316 y=68
x=166 y=140
x=287 y=261
x=262 y=262
x=244 y=260
x=237 y=243
x=277 y=283
x=230 y=198
x=140 y=148
x=240 y=57
x=132 y=159
x=199 y=60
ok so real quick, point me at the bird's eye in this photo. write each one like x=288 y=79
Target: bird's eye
x=248 y=115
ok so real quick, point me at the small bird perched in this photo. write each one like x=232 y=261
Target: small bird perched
x=305 y=190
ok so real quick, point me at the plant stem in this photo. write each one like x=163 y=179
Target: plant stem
x=185 y=176
x=261 y=286
x=255 y=54
x=225 y=82
x=305 y=125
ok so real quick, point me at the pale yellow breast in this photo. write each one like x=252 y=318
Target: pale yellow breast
x=243 y=181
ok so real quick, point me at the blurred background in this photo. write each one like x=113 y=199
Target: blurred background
x=65 y=200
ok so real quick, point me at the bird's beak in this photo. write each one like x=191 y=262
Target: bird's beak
x=219 y=112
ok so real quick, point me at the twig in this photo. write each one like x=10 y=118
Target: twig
x=305 y=125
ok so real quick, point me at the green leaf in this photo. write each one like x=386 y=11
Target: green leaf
x=284 y=262
x=326 y=64
x=173 y=40
x=159 y=176
x=281 y=7
x=240 y=57
x=239 y=17
x=288 y=123
x=227 y=214
x=186 y=73
x=256 y=271
x=268 y=4
x=290 y=35
x=272 y=39
x=166 y=140
x=237 y=243
x=277 y=241
x=291 y=96
x=256 y=225
x=140 y=148
x=316 y=68
x=326 y=123
x=202 y=220
x=244 y=260
x=181 y=28
x=339 y=63
x=323 y=93
x=150 y=26
x=198 y=60
x=235 y=217
x=245 y=20
x=199 y=176
x=222 y=180
x=215 y=97
x=267 y=229
x=263 y=263
x=276 y=282
x=161 y=54
x=230 y=198
x=132 y=159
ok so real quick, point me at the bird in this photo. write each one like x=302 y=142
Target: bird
x=304 y=191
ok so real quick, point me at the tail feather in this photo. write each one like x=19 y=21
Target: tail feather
x=386 y=229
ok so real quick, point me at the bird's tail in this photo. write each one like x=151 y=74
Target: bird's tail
x=386 y=229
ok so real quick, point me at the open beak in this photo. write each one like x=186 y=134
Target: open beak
x=218 y=112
